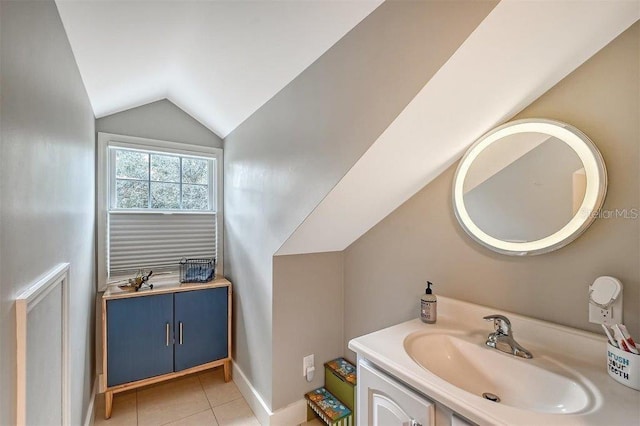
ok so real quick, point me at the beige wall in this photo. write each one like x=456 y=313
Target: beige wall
x=47 y=215
x=159 y=120
x=308 y=306
x=386 y=269
x=286 y=157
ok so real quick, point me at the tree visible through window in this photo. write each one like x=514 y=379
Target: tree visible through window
x=147 y=180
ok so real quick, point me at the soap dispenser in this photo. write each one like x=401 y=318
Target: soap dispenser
x=429 y=306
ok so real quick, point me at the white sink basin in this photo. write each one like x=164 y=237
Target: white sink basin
x=540 y=384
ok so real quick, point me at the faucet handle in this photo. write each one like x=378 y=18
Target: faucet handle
x=500 y=322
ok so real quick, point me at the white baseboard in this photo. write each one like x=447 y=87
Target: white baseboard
x=291 y=415
x=88 y=420
x=251 y=395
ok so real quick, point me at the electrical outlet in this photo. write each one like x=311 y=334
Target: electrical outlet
x=605 y=301
x=610 y=316
x=307 y=362
x=597 y=315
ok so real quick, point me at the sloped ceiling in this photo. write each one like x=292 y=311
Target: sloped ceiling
x=222 y=60
x=521 y=50
x=217 y=60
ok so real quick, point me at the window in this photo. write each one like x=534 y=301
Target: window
x=147 y=180
x=157 y=203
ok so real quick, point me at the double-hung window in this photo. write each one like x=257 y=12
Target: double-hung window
x=158 y=202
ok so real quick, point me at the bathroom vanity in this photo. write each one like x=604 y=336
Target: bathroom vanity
x=169 y=331
x=444 y=374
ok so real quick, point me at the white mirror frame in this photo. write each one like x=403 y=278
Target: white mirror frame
x=595 y=193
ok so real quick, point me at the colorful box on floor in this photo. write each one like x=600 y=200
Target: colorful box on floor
x=329 y=408
x=340 y=379
x=335 y=403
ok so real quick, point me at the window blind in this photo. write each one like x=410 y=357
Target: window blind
x=158 y=241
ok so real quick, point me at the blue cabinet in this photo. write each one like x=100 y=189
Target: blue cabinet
x=139 y=338
x=163 y=334
x=201 y=327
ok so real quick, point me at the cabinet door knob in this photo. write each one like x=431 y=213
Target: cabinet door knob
x=167 y=332
x=180 y=323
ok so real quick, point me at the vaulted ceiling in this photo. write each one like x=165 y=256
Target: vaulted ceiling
x=220 y=61
x=217 y=60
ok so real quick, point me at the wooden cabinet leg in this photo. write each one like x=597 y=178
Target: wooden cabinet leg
x=108 y=404
x=227 y=370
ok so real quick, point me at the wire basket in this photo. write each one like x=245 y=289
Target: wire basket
x=197 y=270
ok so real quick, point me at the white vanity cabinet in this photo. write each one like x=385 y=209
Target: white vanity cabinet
x=382 y=401
x=385 y=401
x=459 y=421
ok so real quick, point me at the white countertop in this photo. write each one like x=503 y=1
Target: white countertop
x=583 y=352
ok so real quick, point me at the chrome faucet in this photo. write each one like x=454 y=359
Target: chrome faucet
x=502 y=338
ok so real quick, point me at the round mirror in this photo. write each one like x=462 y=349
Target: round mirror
x=529 y=187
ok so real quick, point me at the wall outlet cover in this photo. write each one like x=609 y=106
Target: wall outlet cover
x=605 y=301
x=613 y=315
x=307 y=362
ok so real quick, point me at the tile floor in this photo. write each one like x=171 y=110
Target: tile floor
x=202 y=399
x=314 y=422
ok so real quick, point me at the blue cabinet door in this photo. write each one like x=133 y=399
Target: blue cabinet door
x=201 y=327
x=139 y=338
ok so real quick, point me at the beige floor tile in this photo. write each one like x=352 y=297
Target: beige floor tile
x=218 y=392
x=123 y=413
x=314 y=422
x=171 y=401
x=204 y=418
x=235 y=413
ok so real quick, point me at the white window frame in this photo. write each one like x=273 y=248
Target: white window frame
x=109 y=140
x=213 y=204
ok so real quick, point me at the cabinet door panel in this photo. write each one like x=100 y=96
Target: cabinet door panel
x=201 y=327
x=385 y=402
x=138 y=343
x=459 y=421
